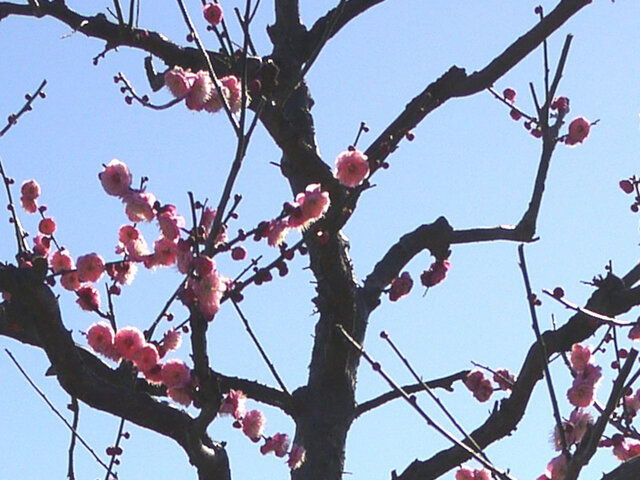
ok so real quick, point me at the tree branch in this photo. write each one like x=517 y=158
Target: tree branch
x=444 y=382
x=27 y=289
x=611 y=299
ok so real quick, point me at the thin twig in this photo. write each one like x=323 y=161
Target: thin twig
x=263 y=354
x=55 y=410
x=13 y=118
x=112 y=462
x=75 y=408
x=589 y=313
x=536 y=329
x=413 y=402
x=432 y=395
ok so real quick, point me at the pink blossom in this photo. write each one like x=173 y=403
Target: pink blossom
x=574 y=428
x=207 y=218
x=127 y=341
x=88 y=297
x=578 y=131
x=70 y=281
x=560 y=104
x=176 y=374
x=233 y=404
x=154 y=375
x=310 y=205
x=296 y=457
x=146 y=357
x=212 y=13
x=100 y=338
x=352 y=168
x=580 y=357
x=400 y=287
x=464 y=474
x=277 y=232
x=233 y=88
x=557 y=468
x=279 y=444
x=171 y=340
x=634 y=333
x=115 y=178
x=632 y=403
x=122 y=272
x=47 y=226
x=435 y=274
x=215 y=103
x=200 y=91
x=581 y=393
x=90 y=267
x=128 y=233
x=29 y=206
x=184 y=256
x=62 y=260
x=592 y=374
x=253 y=424
x=479 y=385
x=179 y=81
x=482 y=474
x=180 y=395
x=41 y=245
x=170 y=222
x=139 y=206
x=504 y=379
x=165 y=252
x=30 y=190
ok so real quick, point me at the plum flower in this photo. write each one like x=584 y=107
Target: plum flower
x=88 y=298
x=61 y=260
x=29 y=193
x=127 y=341
x=171 y=340
x=352 y=168
x=479 y=385
x=179 y=81
x=400 y=287
x=139 y=206
x=200 y=91
x=580 y=357
x=578 y=131
x=581 y=393
x=180 y=395
x=100 y=337
x=311 y=205
x=296 y=457
x=278 y=444
x=176 y=374
x=435 y=274
x=146 y=357
x=233 y=404
x=115 y=178
x=90 y=267
x=253 y=425
x=212 y=13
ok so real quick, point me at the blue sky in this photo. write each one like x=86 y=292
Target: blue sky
x=469 y=162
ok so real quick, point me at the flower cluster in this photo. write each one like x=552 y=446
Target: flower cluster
x=128 y=343
x=578 y=128
x=623 y=448
x=469 y=474
x=556 y=469
x=29 y=193
x=481 y=386
x=252 y=423
x=574 y=428
x=588 y=375
x=308 y=207
x=199 y=91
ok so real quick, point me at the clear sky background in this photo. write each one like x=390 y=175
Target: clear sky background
x=469 y=162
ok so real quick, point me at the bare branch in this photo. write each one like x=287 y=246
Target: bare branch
x=444 y=382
